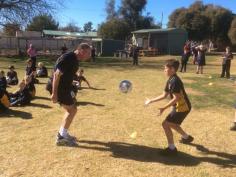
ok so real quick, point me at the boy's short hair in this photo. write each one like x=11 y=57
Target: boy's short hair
x=172 y=63
x=2 y=72
x=81 y=70
x=84 y=46
x=29 y=61
x=11 y=67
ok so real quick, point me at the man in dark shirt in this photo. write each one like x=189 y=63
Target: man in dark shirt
x=226 y=63
x=62 y=91
x=180 y=104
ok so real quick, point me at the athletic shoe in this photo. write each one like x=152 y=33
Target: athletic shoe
x=64 y=141
x=72 y=138
x=233 y=128
x=169 y=152
x=187 y=141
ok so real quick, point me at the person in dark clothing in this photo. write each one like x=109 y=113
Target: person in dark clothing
x=42 y=71
x=3 y=81
x=135 y=55
x=184 y=61
x=180 y=104
x=79 y=78
x=64 y=49
x=12 y=78
x=22 y=97
x=30 y=72
x=62 y=89
x=201 y=59
x=226 y=63
x=93 y=54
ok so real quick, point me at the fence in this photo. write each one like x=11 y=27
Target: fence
x=16 y=46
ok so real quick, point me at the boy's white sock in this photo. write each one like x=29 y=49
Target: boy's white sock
x=172 y=146
x=63 y=131
x=185 y=137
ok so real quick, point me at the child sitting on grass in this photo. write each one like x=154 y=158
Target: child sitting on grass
x=4 y=101
x=42 y=71
x=3 y=81
x=23 y=96
x=180 y=104
x=79 y=78
x=12 y=78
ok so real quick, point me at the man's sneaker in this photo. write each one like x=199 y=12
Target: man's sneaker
x=187 y=141
x=233 y=128
x=65 y=141
x=169 y=152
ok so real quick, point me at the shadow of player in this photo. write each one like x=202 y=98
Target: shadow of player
x=150 y=154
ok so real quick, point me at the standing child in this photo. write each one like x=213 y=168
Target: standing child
x=184 y=61
x=3 y=81
x=12 y=78
x=201 y=58
x=180 y=104
x=32 y=54
x=226 y=63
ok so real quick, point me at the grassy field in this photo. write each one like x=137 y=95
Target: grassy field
x=107 y=118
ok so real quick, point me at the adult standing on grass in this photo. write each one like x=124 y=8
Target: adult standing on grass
x=226 y=63
x=201 y=58
x=135 y=55
x=62 y=91
x=32 y=54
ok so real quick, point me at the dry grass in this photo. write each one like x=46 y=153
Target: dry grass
x=107 y=118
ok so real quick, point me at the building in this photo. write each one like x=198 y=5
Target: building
x=166 y=41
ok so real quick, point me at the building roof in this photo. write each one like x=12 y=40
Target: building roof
x=167 y=30
x=70 y=34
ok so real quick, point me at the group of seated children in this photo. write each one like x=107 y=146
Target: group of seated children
x=26 y=91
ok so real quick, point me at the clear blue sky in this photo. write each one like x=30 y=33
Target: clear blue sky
x=82 y=11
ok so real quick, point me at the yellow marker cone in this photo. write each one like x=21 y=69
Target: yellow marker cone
x=210 y=84
x=133 y=135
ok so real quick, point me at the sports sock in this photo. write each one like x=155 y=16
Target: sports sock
x=172 y=146
x=185 y=137
x=63 y=131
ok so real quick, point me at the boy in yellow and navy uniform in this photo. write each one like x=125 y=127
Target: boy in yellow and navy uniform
x=180 y=104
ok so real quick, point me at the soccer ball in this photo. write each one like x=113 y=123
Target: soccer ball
x=125 y=86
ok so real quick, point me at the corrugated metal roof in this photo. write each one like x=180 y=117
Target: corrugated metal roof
x=71 y=34
x=160 y=30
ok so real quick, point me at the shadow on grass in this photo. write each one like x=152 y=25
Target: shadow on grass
x=39 y=105
x=15 y=113
x=41 y=98
x=213 y=96
x=149 y=154
x=91 y=88
x=85 y=103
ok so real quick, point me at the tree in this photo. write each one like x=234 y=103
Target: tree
x=232 y=31
x=71 y=27
x=10 y=29
x=88 y=27
x=21 y=11
x=203 y=21
x=110 y=9
x=42 y=22
x=131 y=10
x=114 y=29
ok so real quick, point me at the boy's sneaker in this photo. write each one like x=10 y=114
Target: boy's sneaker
x=169 y=152
x=65 y=141
x=187 y=141
x=233 y=128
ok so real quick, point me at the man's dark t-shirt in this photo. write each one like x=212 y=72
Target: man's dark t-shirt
x=175 y=85
x=68 y=65
x=12 y=74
